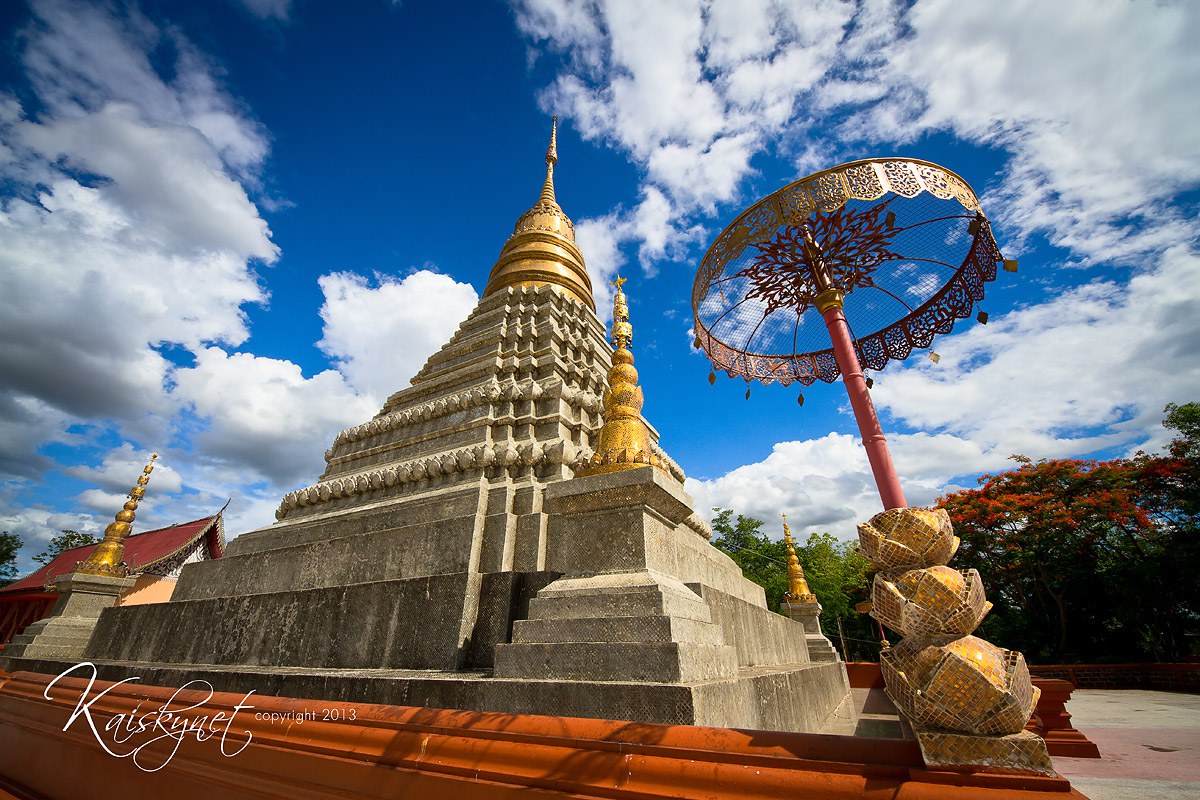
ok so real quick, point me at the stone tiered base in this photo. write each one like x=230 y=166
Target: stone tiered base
x=808 y=697
x=65 y=633
x=809 y=615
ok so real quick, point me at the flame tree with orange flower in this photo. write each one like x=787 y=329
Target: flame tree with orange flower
x=1091 y=561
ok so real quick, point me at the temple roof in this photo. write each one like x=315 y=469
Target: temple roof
x=143 y=551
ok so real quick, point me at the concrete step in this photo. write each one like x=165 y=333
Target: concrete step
x=618 y=629
x=669 y=662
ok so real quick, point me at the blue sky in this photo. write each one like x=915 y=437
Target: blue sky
x=229 y=230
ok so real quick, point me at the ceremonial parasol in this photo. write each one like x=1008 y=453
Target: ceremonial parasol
x=898 y=248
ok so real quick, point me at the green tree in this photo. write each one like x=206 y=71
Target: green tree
x=10 y=544
x=1186 y=420
x=66 y=540
x=836 y=572
x=762 y=559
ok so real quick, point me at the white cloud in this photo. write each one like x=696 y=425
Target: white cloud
x=381 y=334
x=1090 y=98
x=121 y=468
x=263 y=414
x=125 y=228
x=1038 y=380
x=826 y=484
x=690 y=90
x=82 y=56
x=1091 y=103
x=36 y=526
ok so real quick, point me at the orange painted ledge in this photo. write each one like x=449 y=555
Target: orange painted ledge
x=310 y=749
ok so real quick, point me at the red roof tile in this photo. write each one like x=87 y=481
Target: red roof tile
x=141 y=551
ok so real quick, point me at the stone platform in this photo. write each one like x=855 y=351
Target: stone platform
x=636 y=617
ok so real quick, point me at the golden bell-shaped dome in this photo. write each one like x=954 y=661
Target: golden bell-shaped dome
x=542 y=249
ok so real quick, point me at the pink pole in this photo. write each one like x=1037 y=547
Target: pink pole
x=864 y=410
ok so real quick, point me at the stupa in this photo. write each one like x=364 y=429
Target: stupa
x=504 y=535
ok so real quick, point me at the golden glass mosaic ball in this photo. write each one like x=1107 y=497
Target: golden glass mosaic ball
x=935 y=601
x=965 y=684
x=908 y=538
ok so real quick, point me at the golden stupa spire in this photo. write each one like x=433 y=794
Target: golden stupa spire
x=797 y=591
x=624 y=441
x=108 y=556
x=542 y=249
x=547 y=195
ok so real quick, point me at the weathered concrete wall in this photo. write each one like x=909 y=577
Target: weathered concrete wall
x=411 y=624
x=762 y=637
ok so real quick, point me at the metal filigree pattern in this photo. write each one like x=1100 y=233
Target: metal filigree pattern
x=854 y=244
x=905 y=236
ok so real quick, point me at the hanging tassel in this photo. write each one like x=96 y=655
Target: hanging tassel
x=747 y=392
x=982 y=317
x=712 y=378
x=870 y=382
x=800 y=399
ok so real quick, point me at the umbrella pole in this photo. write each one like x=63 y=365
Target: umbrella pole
x=829 y=303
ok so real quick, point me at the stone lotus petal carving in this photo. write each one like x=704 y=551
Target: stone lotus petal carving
x=908 y=538
x=965 y=684
x=937 y=601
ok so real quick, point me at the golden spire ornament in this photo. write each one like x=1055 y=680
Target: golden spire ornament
x=797 y=591
x=624 y=441
x=108 y=557
x=547 y=195
x=542 y=249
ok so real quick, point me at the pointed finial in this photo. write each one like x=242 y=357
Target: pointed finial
x=108 y=556
x=797 y=591
x=622 y=330
x=547 y=195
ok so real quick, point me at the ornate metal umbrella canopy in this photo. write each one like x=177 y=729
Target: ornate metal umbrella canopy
x=899 y=246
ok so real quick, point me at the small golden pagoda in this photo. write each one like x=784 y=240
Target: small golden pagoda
x=624 y=441
x=109 y=556
x=797 y=591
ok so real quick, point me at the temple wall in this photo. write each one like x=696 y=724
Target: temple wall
x=148 y=589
